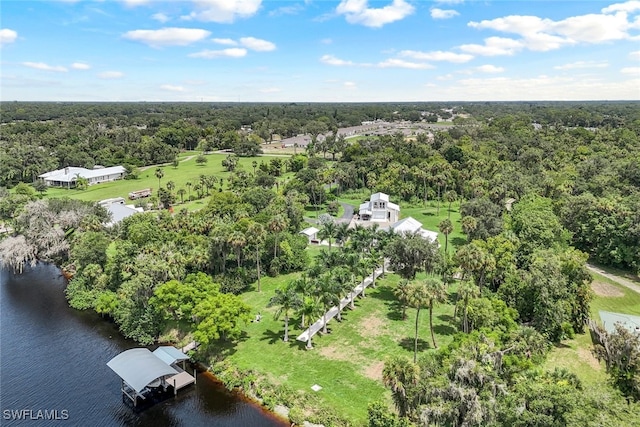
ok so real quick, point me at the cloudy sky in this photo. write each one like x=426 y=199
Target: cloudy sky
x=319 y=50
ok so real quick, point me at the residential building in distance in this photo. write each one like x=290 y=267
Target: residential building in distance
x=68 y=176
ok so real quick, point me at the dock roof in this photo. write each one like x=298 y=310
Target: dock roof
x=139 y=367
x=170 y=354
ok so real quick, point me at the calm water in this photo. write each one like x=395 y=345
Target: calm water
x=54 y=358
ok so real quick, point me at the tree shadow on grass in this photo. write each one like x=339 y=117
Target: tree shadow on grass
x=444 y=329
x=382 y=292
x=222 y=349
x=408 y=343
x=394 y=311
x=458 y=241
x=445 y=317
x=272 y=336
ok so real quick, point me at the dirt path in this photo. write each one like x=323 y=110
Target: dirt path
x=144 y=168
x=619 y=280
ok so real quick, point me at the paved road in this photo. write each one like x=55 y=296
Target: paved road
x=620 y=280
x=348 y=213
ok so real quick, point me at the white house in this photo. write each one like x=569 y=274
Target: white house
x=118 y=210
x=379 y=209
x=410 y=225
x=68 y=176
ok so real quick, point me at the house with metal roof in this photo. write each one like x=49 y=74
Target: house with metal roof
x=379 y=209
x=411 y=225
x=68 y=176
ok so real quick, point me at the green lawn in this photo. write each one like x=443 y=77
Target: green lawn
x=348 y=361
x=430 y=216
x=575 y=355
x=188 y=170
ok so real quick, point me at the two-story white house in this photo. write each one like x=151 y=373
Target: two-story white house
x=379 y=209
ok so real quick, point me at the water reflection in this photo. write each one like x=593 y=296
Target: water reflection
x=54 y=357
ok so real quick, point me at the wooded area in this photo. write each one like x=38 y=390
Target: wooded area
x=523 y=194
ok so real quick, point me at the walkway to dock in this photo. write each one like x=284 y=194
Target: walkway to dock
x=333 y=311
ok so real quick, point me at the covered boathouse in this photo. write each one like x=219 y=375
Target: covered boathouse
x=149 y=378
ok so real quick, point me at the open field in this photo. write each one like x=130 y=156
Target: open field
x=348 y=361
x=575 y=355
x=188 y=170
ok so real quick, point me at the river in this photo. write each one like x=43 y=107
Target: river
x=53 y=359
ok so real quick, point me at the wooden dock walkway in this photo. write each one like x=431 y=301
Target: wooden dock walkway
x=333 y=311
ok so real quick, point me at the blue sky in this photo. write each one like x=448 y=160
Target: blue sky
x=319 y=50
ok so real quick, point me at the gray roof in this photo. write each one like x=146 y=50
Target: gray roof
x=629 y=321
x=119 y=212
x=309 y=231
x=170 y=354
x=139 y=367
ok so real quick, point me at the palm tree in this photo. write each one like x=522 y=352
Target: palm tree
x=181 y=192
x=403 y=292
x=237 y=240
x=256 y=234
x=81 y=182
x=171 y=186
x=419 y=298
x=313 y=307
x=446 y=227
x=436 y=293
x=286 y=299
x=399 y=374
x=342 y=279
x=342 y=233
x=328 y=296
x=469 y=225
x=189 y=184
x=328 y=231
x=277 y=224
x=159 y=175
x=450 y=196
x=254 y=164
x=466 y=291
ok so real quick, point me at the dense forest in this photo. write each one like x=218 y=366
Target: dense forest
x=541 y=189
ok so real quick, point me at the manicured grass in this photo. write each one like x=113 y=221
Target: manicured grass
x=430 y=216
x=188 y=170
x=575 y=355
x=348 y=361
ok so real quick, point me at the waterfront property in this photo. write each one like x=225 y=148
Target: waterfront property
x=147 y=377
x=68 y=177
x=118 y=210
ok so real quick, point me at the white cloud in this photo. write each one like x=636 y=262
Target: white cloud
x=437 y=55
x=493 y=46
x=631 y=70
x=400 y=63
x=635 y=55
x=228 y=42
x=7 y=36
x=332 y=60
x=445 y=77
x=358 y=12
x=160 y=17
x=111 y=75
x=170 y=36
x=270 y=90
x=45 y=67
x=543 y=34
x=349 y=85
x=582 y=64
x=287 y=10
x=630 y=6
x=172 y=88
x=257 y=44
x=232 y=52
x=224 y=11
x=326 y=41
x=450 y=1
x=134 y=3
x=80 y=66
x=490 y=69
x=443 y=14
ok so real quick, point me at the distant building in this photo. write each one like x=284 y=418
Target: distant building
x=68 y=176
x=628 y=321
x=379 y=209
x=311 y=233
x=410 y=225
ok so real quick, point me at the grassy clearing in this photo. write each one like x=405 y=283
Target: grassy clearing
x=348 y=361
x=430 y=216
x=575 y=355
x=188 y=170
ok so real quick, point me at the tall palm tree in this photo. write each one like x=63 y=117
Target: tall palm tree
x=237 y=240
x=328 y=231
x=403 y=293
x=189 y=184
x=181 y=192
x=399 y=374
x=256 y=233
x=419 y=298
x=342 y=279
x=159 y=174
x=436 y=292
x=450 y=196
x=286 y=299
x=469 y=225
x=171 y=186
x=327 y=292
x=342 y=233
x=446 y=228
x=466 y=291
x=277 y=225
